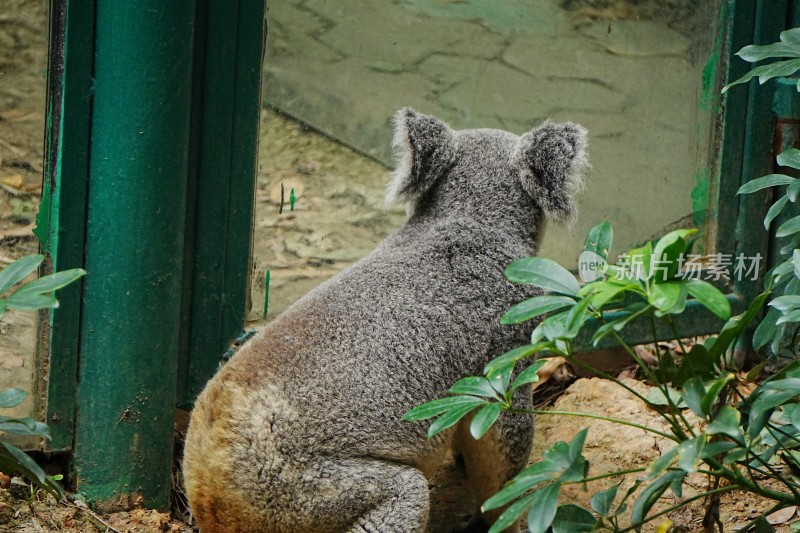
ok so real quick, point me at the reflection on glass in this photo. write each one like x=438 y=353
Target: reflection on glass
x=640 y=75
x=23 y=63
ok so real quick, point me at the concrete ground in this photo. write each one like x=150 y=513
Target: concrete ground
x=631 y=71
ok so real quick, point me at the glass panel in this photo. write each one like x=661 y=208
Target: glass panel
x=633 y=72
x=23 y=64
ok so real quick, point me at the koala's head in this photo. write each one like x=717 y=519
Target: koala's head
x=487 y=172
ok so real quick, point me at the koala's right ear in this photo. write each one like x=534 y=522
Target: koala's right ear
x=424 y=148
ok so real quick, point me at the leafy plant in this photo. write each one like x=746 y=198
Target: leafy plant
x=36 y=294
x=788 y=49
x=742 y=437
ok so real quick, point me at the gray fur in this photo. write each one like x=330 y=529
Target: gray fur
x=301 y=430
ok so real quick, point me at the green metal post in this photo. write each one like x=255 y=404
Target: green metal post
x=62 y=213
x=229 y=48
x=134 y=251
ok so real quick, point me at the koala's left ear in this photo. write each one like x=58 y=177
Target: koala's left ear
x=551 y=160
x=425 y=149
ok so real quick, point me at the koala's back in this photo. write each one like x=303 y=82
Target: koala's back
x=391 y=332
x=332 y=376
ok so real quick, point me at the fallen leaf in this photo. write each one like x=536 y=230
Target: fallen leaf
x=14 y=180
x=782 y=516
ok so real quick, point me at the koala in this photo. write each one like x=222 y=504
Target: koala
x=301 y=429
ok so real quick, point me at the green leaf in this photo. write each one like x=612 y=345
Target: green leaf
x=559 y=455
x=484 y=419
x=657 y=398
x=552 y=327
x=18 y=270
x=603 y=291
x=499 y=380
x=599 y=239
x=699 y=363
x=789 y=158
x=31 y=302
x=660 y=465
x=770 y=180
x=790 y=317
x=789 y=227
x=522 y=483
x=575 y=320
x=510 y=516
x=734 y=327
x=762 y=408
x=667 y=252
x=664 y=296
x=544 y=273
x=791 y=384
x=775 y=210
x=650 y=495
x=716 y=448
x=638 y=261
x=543 y=508
x=728 y=421
x=629 y=313
x=781 y=270
x=792 y=191
x=511 y=357
x=15 y=461
x=533 y=307
x=693 y=392
x=437 y=407
x=50 y=282
x=24 y=426
x=689 y=452
x=778 y=69
x=577 y=443
x=603 y=500
x=755 y=53
x=791 y=36
x=529 y=375
x=474 y=385
x=12 y=398
x=792 y=412
x=791 y=246
x=573 y=519
x=785 y=303
x=708 y=295
x=449 y=419
x=796 y=262
x=713 y=390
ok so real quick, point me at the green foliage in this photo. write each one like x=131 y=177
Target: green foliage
x=787 y=47
x=12 y=459
x=742 y=437
x=36 y=294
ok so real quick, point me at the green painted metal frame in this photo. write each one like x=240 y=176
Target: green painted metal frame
x=151 y=139
x=745 y=151
x=229 y=46
x=62 y=214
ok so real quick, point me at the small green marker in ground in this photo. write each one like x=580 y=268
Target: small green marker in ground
x=266 y=294
x=292 y=199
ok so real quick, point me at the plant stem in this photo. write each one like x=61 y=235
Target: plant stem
x=737 y=478
x=679 y=505
x=593 y=416
x=671 y=420
x=613 y=474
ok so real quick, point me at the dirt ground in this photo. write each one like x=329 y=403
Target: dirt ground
x=338 y=217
